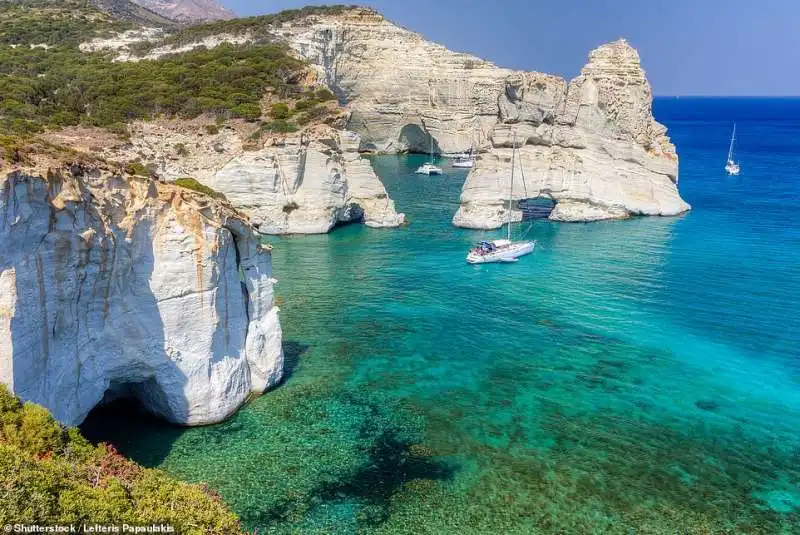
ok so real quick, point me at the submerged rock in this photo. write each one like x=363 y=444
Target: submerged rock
x=116 y=287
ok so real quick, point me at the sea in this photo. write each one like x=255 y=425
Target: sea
x=629 y=377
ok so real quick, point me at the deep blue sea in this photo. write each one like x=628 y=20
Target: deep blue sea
x=631 y=377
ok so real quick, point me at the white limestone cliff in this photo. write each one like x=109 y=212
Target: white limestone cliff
x=592 y=145
x=307 y=183
x=301 y=183
x=113 y=286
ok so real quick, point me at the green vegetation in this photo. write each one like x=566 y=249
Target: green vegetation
x=194 y=185
x=254 y=25
x=58 y=85
x=212 y=129
x=278 y=126
x=314 y=114
x=64 y=87
x=52 y=475
x=137 y=168
x=279 y=110
x=53 y=23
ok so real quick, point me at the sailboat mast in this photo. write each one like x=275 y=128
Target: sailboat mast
x=511 y=188
x=733 y=138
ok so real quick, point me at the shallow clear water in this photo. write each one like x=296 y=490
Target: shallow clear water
x=637 y=376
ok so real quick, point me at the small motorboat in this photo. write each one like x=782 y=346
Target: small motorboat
x=429 y=169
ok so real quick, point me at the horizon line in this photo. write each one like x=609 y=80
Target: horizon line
x=727 y=96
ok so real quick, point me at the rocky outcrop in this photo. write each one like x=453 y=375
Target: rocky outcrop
x=399 y=88
x=301 y=183
x=125 y=287
x=307 y=184
x=591 y=145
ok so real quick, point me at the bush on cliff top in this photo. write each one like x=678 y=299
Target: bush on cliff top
x=255 y=26
x=194 y=185
x=51 y=475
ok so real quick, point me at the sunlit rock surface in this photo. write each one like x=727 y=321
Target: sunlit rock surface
x=112 y=286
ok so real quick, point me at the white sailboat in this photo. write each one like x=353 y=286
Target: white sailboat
x=502 y=250
x=429 y=168
x=732 y=168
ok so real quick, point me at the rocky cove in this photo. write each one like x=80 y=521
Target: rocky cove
x=93 y=258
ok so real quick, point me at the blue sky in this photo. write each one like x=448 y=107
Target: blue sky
x=688 y=47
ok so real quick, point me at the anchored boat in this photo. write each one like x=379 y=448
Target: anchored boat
x=502 y=250
x=429 y=168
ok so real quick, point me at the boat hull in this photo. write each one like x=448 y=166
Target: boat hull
x=509 y=253
x=429 y=170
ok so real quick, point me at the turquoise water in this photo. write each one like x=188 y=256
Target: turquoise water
x=635 y=376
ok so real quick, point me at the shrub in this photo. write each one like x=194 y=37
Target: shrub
x=181 y=149
x=52 y=475
x=212 y=129
x=137 y=169
x=279 y=110
x=315 y=113
x=194 y=185
x=279 y=127
x=250 y=112
x=304 y=104
x=324 y=95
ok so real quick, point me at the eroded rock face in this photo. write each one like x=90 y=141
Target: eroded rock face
x=307 y=184
x=113 y=286
x=400 y=88
x=303 y=183
x=592 y=144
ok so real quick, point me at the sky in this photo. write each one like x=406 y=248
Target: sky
x=688 y=47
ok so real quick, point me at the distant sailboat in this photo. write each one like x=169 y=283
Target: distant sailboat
x=732 y=167
x=502 y=250
x=429 y=168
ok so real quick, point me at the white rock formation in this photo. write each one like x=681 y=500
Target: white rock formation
x=113 y=286
x=400 y=88
x=591 y=145
x=122 y=41
x=307 y=184
x=302 y=183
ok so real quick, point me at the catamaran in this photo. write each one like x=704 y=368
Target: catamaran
x=732 y=167
x=502 y=250
x=429 y=168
